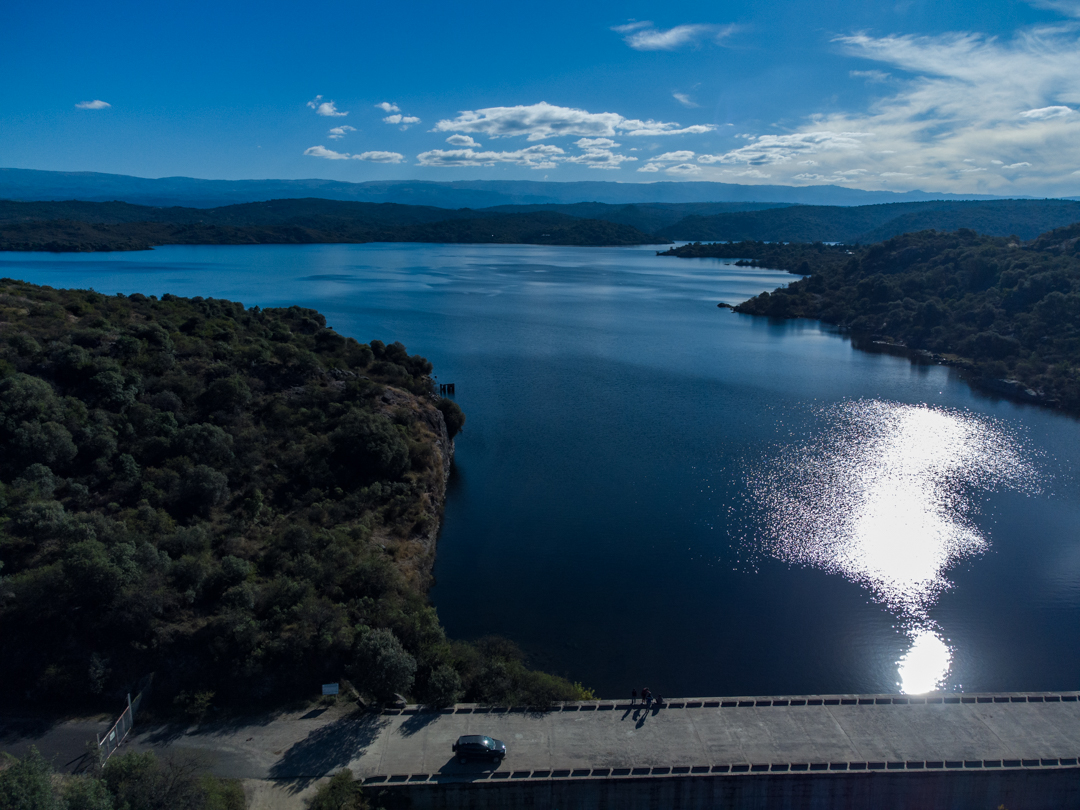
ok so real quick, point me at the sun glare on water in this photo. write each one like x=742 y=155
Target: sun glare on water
x=885 y=496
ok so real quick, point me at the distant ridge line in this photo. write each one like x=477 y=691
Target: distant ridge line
x=39 y=185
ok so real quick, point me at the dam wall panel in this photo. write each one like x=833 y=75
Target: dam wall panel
x=1045 y=789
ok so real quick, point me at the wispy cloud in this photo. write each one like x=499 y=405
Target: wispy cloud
x=372 y=157
x=645 y=37
x=769 y=149
x=380 y=157
x=337 y=133
x=594 y=153
x=1044 y=113
x=1070 y=8
x=535 y=157
x=683 y=170
x=632 y=25
x=96 y=104
x=685 y=100
x=540 y=121
x=871 y=76
x=326 y=108
x=323 y=152
x=681 y=156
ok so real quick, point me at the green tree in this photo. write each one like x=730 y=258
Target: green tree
x=381 y=665
x=25 y=784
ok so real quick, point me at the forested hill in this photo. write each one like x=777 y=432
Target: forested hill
x=240 y=500
x=1008 y=312
x=97 y=226
x=866 y=224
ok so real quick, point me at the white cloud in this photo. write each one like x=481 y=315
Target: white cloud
x=649 y=167
x=406 y=120
x=543 y=120
x=380 y=157
x=541 y=156
x=1044 y=113
x=633 y=25
x=646 y=38
x=1070 y=8
x=675 y=157
x=373 y=157
x=462 y=140
x=96 y=104
x=753 y=173
x=326 y=108
x=598 y=156
x=595 y=154
x=871 y=76
x=967 y=94
x=955 y=95
x=685 y=100
x=386 y=106
x=683 y=169
x=772 y=149
x=323 y=152
x=337 y=133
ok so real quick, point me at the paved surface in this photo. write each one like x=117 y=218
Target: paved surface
x=63 y=742
x=730 y=735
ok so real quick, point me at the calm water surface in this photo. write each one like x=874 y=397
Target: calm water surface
x=651 y=490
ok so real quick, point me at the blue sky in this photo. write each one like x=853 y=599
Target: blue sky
x=943 y=96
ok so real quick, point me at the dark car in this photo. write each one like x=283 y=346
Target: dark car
x=475 y=746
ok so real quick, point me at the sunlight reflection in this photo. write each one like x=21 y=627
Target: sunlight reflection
x=885 y=497
x=925 y=666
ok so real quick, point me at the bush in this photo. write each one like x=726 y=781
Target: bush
x=444 y=687
x=26 y=784
x=381 y=665
x=342 y=792
x=454 y=416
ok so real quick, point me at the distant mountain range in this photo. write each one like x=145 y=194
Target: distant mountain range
x=30 y=184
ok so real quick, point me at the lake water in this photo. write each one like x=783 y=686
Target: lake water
x=653 y=491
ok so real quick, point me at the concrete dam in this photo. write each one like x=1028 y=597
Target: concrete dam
x=874 y=751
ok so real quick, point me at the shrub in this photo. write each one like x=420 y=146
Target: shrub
x=381 y=665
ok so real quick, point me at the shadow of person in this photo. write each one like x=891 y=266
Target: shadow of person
x=327 y=749
x=642 y=719
x=627 y=713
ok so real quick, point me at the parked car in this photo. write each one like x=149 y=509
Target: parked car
x=476 y=746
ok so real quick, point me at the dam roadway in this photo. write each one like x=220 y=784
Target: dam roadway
x=1011 y=747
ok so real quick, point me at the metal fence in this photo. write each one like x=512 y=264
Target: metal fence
x=122 y=727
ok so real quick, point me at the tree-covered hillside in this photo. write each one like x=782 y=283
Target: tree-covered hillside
x=872 y=223
x=241 y=500
x=75 y=226
x=1009 y=312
